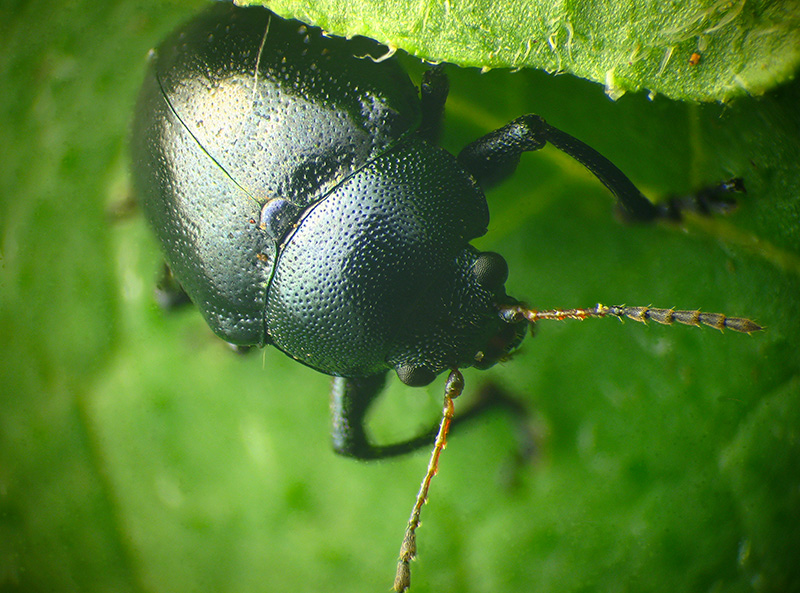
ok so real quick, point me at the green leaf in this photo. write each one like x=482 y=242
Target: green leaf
x=137 y=453
x=742 y=47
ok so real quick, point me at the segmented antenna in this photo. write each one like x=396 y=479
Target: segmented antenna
x=516 y=313
x=453 y=388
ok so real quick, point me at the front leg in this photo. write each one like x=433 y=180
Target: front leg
x=350 y=400
x=495 y=156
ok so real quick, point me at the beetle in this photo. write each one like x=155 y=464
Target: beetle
x=294 y=182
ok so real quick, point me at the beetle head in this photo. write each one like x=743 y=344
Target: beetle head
x=458 y=323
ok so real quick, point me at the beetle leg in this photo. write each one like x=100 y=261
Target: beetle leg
x=493 y=396
x=715 y=199
x=433 y=94
x=350 y=400
x=169 y=293
x=494 y=157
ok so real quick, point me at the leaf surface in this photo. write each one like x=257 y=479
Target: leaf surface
x=137 y=453
x=700 y=50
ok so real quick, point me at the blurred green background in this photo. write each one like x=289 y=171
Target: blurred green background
x=137 y=453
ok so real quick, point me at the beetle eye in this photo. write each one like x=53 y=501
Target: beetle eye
x=277 y=217
x=491 y=271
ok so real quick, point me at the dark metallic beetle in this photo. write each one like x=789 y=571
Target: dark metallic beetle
x=299 y=197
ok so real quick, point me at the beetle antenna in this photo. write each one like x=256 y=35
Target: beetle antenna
x=517 y=313
x=408 y=550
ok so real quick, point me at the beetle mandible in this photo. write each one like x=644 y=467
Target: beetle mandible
x=301 y=201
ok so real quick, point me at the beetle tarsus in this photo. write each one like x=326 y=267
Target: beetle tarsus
x=714 y=199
